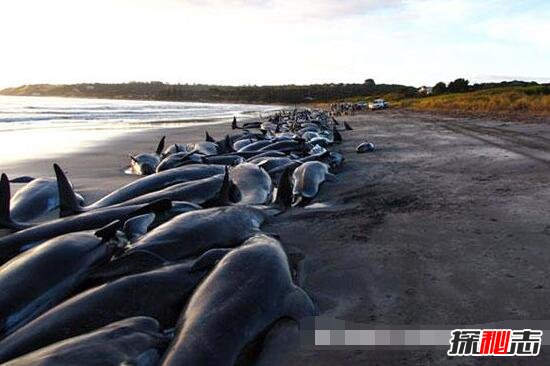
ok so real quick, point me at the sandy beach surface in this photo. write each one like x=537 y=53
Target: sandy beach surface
x=448 y=222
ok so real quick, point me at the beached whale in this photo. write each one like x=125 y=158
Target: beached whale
x=207 y=192
x=365 y=147
x=37 y=198
x=246 y=125
x=13 y=244
x=267 y=162
x=241 y=143
x=179 y=159
x=154 y=182
x=257 y=145
x=173 y=149
x=286 y=146
x=160 y=294
x=269 y=153
x=307 y=178
x=252 y=184
x=248 y=290
x=133 y=341
x=42 y=277
x=335 y=160
x=188 y=235
x=204 y=147
x=145 y=164
x=229 y=159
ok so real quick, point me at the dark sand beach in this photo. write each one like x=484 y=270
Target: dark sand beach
x=446 y=223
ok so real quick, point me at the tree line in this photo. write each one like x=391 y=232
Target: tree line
x=462 y=85
x=283 y=94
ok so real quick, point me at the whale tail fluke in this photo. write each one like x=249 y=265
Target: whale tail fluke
x=68 y=200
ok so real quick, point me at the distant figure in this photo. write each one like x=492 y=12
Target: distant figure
x=234 y=124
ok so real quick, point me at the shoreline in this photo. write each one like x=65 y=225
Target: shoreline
x=98 y=168
x=100 y=135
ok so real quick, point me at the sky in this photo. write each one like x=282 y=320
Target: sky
x=241 y=42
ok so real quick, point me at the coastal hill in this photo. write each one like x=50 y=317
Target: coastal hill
x=503 y=98
x=284 y=94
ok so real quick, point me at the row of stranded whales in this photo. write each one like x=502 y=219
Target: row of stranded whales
x=188 y=235
x=55 y=269
x=173 y=268
x=132 y=341
x=36 y=199
x=17 y=243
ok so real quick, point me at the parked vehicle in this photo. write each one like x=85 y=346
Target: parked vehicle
x=378 y=104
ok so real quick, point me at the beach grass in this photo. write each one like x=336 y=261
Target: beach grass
x=532 y=100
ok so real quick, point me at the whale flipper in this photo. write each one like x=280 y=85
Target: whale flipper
x=109 y=231
x=331 y=177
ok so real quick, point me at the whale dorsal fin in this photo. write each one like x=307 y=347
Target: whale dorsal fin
x=208 y=138
x=137 y=226
x=160 y=147
x=68 y=200
x=5 y=196
x=336 y=136
x=284 y=190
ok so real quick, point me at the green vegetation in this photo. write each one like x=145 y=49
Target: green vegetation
x=458 y=95
x=283 y=94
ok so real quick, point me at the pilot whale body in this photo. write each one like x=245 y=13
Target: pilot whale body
x=133 y=341
x=248 y=290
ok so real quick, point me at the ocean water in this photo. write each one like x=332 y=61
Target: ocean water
x=32 y=127
x=44 y=112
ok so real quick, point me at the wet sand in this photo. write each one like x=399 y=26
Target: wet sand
x=446 y=223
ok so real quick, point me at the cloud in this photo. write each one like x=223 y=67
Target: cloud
x=299 y=8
